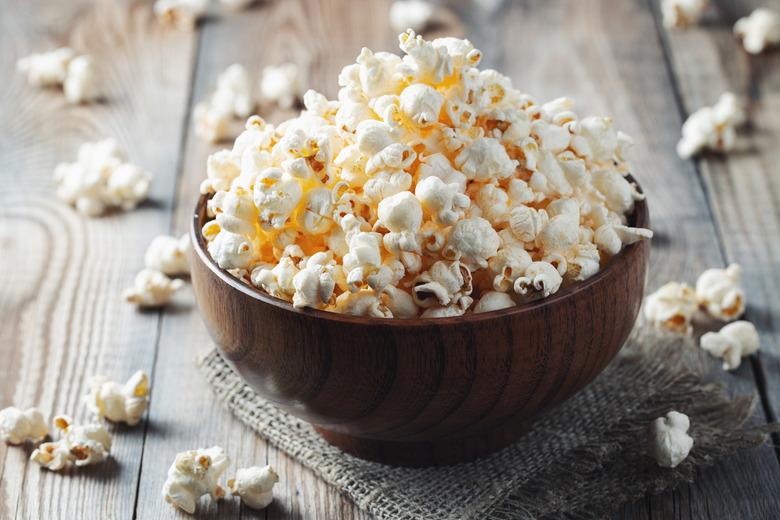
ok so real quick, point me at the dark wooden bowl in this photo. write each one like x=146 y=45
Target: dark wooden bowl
x=424 y=391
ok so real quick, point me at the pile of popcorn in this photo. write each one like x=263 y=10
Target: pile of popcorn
x=428 y=186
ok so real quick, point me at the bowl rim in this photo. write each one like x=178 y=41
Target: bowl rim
x=638 y=218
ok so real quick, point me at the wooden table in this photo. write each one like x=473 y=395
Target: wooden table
x=61 y=275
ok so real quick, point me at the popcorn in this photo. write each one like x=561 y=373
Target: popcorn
x=182 y=14
x=119 y=403
x=672 y=306
x=232 y=98
x=80 y=85
x=670 y=443
x=79 y=445
x=152 y=289
x=427 y=186
x=493 y=301
x=212 y=123
x=712 y=128
x=169 y=255
x=759 y=31
x=718 y=292
x=282 y=84
x=236 y=5
x=101 y=178
x=255 y=486
x=193 y=474
x=18 y=427
x=682 y=13
x=731 y=343
x=410 y=14
x=48 y=69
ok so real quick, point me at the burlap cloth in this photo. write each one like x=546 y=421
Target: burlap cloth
x=581 y=460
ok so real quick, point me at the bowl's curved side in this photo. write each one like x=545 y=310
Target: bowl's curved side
x=444 y=380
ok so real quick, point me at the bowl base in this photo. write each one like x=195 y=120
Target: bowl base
x=441 y=452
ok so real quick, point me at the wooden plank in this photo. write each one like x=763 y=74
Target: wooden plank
x=63 y=274
x=607 y=56
x=744 y=186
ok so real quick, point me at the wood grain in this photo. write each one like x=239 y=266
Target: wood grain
x=65 y=272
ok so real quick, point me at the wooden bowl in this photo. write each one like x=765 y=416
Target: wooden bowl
x=422 y=392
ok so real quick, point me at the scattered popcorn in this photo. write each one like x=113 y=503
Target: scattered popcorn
x=672 y=307
x=169 y=255
x=182 y=14
x=232 y=98
x=712 y=128
x=101 y=178
x=152 y=289
x=47 y=69
x=669 y=440
x=282 y=84
x=193 y=474
x=75 y=74
x=80 y=84
x=718 y=292
x=116 y=402
x=18 y=427
x=410 y=14
x=255 y=486
x=430 y=188
x=79 y=445
x=212 y=123
x=759 y=31
x=731 y=343
x=682 y=13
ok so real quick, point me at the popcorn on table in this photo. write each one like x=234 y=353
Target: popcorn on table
x=255 y=486
x=62 y=67
x=20 y=426
x=119 y=402
x=428 y=186
x=152 y=289
x=101 y=178
x=182 y=14
x=169 y=255
x=759 y=31
x=232 y=98
x=410 y=14
x=79 y=445
x=193 y=474
x=282 y=84
x=713 y=128
x=719 y=293
x=682 y=13
x=731 y=343
x=669 y=440
x=672 y=307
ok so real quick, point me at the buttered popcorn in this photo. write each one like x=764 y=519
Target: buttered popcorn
x=79 y=445
x=429 y=188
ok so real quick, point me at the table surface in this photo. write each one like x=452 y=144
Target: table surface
x=61 y=275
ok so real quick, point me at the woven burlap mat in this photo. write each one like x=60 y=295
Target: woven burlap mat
x=581 y=460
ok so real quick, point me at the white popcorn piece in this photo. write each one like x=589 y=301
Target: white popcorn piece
x=313 y=285
x=399 y=302
x=719 y=293
x=193 y=474
x=444 y=284
x=611 y=238
x=539 y=278
x=152 y=289
x=47 y=69
x=282 y=84
x=759 y=31
x=401 y=214
x=234 y=92
x=212 y=123
x=421 y=103
x=443 y=201
x=493 y=301
x=169 y=255
x=100 y=179
x=712 y=128
x=731 y=343
x=80 y=85
x=79 y=445
x=410 y=14
x=669 y=441
x=682 y=13
x=182 y=14
x=484 y=159
x=119 y=402
x=18 y=426
x=362 y=303
x=255 y=486
x=472 y=241
x=672 y=306
x=526 y=223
